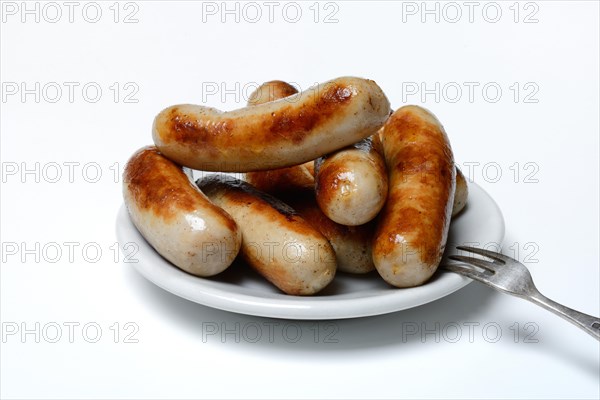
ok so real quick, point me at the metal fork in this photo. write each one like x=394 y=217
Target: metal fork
x=510 y=276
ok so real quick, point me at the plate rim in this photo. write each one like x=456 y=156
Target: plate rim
x=208 y=293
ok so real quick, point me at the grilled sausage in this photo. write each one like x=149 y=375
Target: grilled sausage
x=272 y=135
x=295 y=185
x=352 y=244
x=413 y=226
x=176 y=218
x=278 y=243
x=352 y=183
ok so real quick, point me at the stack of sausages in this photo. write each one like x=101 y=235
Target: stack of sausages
x=332 y=180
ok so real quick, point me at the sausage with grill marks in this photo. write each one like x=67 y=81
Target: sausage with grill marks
x=277 y=134
x=413 y=226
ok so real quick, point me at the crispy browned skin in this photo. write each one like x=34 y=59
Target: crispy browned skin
x=276 y=134
x=158 y=185
x=175 y=217
x=352 y=184
x=270 y=229
x=413 y=226
x=281 y=179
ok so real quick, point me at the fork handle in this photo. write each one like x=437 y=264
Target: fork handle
x=586 y=322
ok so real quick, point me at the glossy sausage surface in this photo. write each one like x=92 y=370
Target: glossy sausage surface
x=277 y=134
x=413 y=226
x=352 y=183
x=276 y=241
x=180 y=222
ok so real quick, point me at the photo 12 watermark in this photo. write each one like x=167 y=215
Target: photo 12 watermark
x=453 y=12
x=470 y=92
x=519 y=172
x=56 y=12
x=71 y=252
x=524 y=251
x=60 y=172
x=252 y=12
x=70 y=92
x=270 y=332
x=52 y=172
x=69 y=332
x=469 y=332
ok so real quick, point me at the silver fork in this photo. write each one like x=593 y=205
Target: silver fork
x=510 y=276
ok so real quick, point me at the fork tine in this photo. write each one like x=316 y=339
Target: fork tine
x=468 y=272
x=475 y=261
x=486 y=253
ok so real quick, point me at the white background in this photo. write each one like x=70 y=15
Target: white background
x=171 y=55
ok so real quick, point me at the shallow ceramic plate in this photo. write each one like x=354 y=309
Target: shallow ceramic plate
x=241 y=290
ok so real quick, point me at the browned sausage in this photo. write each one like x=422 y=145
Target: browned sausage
x=276 y=241
x=352 y=183
x=276 y=134
x=175 y=217
x=413 y=226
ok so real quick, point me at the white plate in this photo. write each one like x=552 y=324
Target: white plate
x=240 y=290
